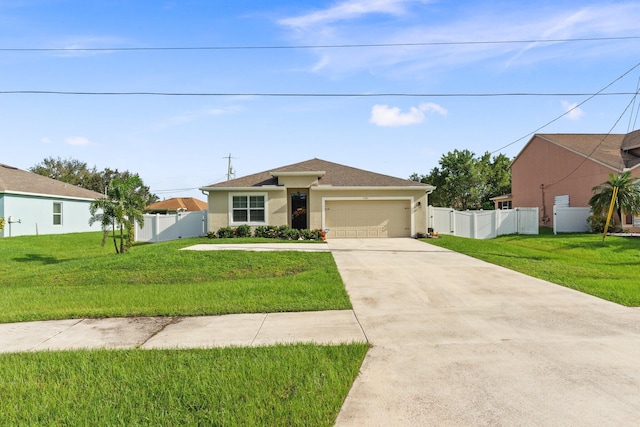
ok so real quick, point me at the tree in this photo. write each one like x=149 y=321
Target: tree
x=627 y=200
x=78 y=173
x=70 y=171
x=464 y=181
x=121 y=208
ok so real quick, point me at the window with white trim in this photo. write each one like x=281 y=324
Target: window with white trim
x=248 y=209
x=57 y=213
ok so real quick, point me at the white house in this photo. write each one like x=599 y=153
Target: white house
x=33 y=204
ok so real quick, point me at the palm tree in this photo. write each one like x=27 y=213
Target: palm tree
x=120 y=208
x=627 y=199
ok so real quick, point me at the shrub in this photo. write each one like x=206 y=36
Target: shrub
x=307 y=234
x=243 y=231
x=225 y=232
x=211 y=234
x=596 y=222
x=282 y=232
x=290 y=234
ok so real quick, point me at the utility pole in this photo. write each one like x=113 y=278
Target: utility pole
x=230 y=172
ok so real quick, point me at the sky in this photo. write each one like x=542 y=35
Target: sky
x=389 y=86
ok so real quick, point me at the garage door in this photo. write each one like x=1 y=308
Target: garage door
x=368 y=218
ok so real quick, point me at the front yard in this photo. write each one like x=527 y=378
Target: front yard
x=609 y=269
x=71 y=276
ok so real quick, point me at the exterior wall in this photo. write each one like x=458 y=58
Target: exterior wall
x=36 y=215
x=542 y=163
x=318 y=194
x=276 y=206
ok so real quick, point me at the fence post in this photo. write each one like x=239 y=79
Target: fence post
x=452 y=221
x=156 y=228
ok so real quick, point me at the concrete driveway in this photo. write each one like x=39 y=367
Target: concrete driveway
x=457 y=341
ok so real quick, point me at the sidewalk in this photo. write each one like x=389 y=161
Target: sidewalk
x=322 y=327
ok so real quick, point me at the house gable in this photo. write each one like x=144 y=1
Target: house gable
x=552 y=165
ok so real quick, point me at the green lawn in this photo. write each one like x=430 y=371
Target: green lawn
x=72 y=276
x=609 y=270
x=65 y=276
x=294 y=385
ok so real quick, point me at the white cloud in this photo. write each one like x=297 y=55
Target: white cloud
x=350 y=9
x=400 y=22
x=77 y=140
x=383 y=115
x=46 y=140
x=573 y=111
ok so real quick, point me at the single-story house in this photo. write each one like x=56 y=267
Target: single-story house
x=175 y=205
x=33 y=204
x=317 y=194
x=567 y=166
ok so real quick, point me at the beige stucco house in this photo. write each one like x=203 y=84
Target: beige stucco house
x=317 y=194
x=556 y=165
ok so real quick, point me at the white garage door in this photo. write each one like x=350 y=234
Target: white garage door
x=368 y=218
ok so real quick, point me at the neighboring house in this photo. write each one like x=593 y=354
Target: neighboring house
x=175 y=205
x=503 y=202
x=33 y=204
x=316 y=194
x=553 y=166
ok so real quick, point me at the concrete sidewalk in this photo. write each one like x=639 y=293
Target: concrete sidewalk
x=322 y=327
x=457 y=341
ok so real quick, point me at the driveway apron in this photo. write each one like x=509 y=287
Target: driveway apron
x=457 y=341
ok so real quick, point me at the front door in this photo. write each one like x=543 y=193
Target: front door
x=299 y=210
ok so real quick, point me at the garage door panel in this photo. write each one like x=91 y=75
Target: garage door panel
x=368 y=218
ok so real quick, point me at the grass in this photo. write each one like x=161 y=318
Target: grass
x=609 y=269
x=295 y=385
x=68 y=276
x=72 y=276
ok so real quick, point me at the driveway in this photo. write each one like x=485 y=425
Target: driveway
x=457 y=341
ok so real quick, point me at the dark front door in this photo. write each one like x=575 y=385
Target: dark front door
x=299 y=210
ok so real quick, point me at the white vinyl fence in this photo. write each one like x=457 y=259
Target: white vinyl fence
x=160 y=228
x=483 y=224
x=570 y=220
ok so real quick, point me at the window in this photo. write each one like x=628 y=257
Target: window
x=248 y=209
x=57 y=213
x=504 y=205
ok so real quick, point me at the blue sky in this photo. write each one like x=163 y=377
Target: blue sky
x=179 y=143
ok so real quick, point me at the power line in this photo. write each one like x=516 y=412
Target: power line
x=591 y=96
x=316 y=95
x=597 y=146
x=330 y=46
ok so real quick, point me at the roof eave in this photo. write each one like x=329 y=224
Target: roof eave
x=257 y=188
x=49 y=196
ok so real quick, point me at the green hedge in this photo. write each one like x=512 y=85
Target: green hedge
x=281 y=232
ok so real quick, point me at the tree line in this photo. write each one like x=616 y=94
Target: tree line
x=466 y=181
x=78 y=173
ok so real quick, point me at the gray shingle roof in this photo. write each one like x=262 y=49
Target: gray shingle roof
x=20 y=181
x=336 y=175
